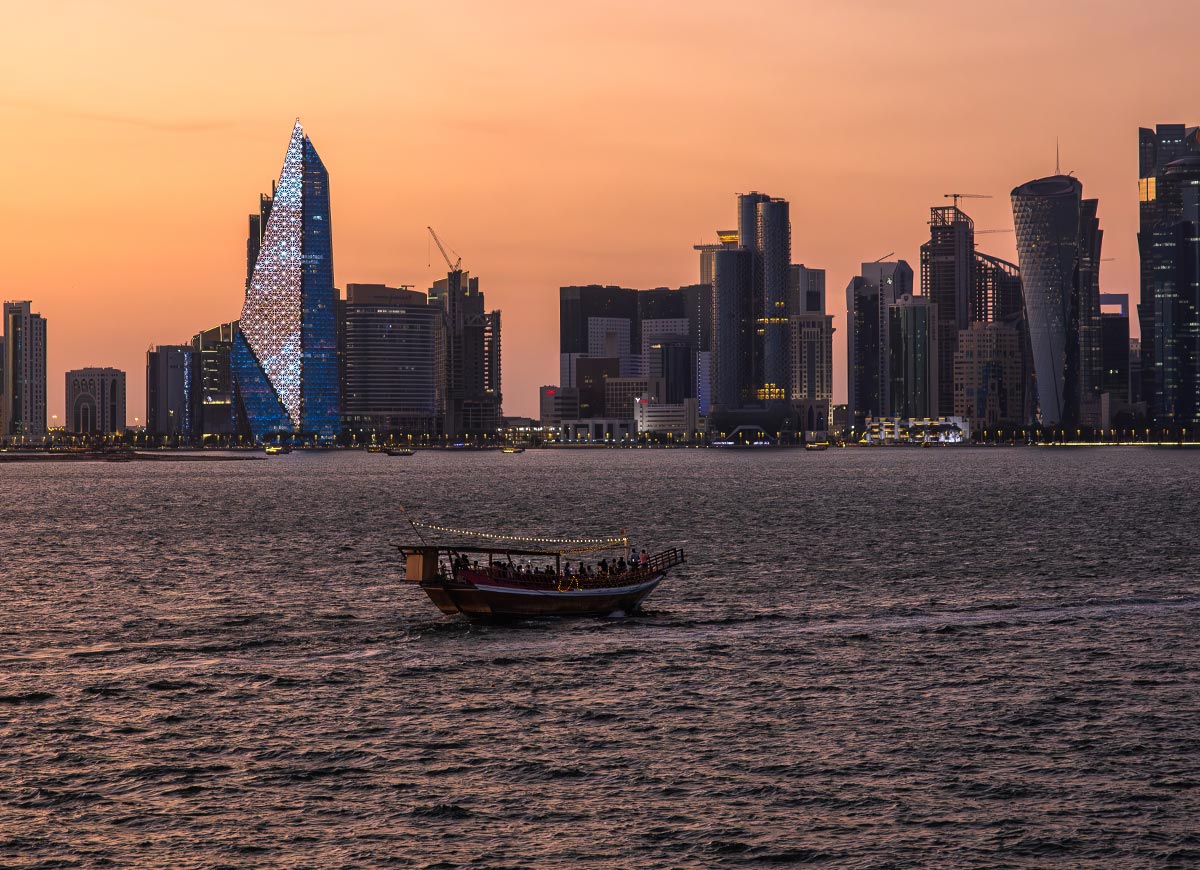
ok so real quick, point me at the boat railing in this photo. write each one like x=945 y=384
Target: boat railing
x=656 y=564
x=664 y=560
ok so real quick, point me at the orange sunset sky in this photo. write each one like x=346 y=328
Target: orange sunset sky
x=548 y=143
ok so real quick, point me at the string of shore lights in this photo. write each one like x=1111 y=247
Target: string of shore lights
x=602 y=542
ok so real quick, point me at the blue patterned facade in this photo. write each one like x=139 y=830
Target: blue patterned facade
x=259 y=408
x=320 y=411
x=285 y=357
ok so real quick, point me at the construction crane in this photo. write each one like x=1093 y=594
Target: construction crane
x=957 y=196
x=454 y=267
x=884 y=257
x=979 y=232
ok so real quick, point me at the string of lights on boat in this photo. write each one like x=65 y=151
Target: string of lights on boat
x=588 y=544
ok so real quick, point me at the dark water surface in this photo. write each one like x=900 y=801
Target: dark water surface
x=874 y=658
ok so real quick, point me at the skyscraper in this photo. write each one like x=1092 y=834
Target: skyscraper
x=172 y=392
x=388 y=361
x=1058 y=246
x=24 y=389
x=258 y=229
x=96 y=401
x=214 y=371
x=285 y=351
x=997 y=295
x=662 y=316
x=726 y=239
x=1169 y=245
x=467 y=358
x=733 y=332
x=812 y=340
x=596 y=320
x=764 y=229
x=868 y=296
x=638 y=331
x=913 y=354
x=948 y=281
x=699 y=302
x=1091 y=238
x=747 y=207
x=774 y=245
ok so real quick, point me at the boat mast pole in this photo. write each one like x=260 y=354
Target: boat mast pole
x=414 y=526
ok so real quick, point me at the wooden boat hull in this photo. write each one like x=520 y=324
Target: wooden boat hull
x=481 y=602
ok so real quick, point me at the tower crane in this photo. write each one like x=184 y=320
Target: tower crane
x=957 y=196
x=455 y=266
x=981 y=232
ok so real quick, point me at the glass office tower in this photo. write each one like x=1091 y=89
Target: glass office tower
x=1058 y=245
x=1169 y=244
x=285 y=351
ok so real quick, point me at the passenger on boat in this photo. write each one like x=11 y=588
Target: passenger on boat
x=621 y=565
x=645 y=559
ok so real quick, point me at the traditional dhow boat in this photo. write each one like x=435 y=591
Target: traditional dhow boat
x=503 y=582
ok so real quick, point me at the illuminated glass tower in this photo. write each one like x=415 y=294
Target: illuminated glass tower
x=1169 y=243
x=285 y=351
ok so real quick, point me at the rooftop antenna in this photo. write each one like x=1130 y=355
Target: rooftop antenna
x=1057 y=167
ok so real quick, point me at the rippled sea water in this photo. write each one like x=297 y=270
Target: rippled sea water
x=873 y=658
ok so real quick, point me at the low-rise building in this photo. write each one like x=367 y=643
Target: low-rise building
x=680 y=420
x=621 y=394
x=557 y=404
x=901 y=430
x=95 y=401
x=599 y=430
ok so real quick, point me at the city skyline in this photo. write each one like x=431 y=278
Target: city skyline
x=550 y=188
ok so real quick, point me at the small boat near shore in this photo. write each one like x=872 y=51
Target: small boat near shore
x=499 y=582
x=277 y=449
x=512 y=449
x=399 y=451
